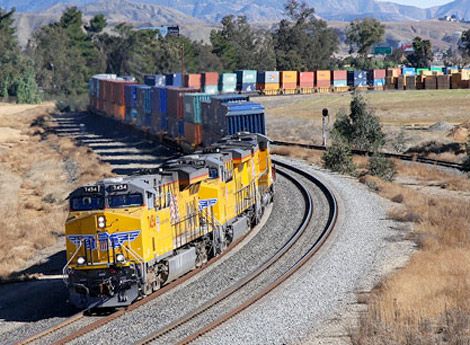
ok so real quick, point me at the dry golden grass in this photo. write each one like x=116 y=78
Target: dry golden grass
x=430 y=174
x=311 y=156
x=427 y=302
x=37 y=171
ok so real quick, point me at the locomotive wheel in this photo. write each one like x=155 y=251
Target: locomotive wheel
x=201 y=254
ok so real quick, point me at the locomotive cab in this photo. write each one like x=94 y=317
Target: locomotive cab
x=104 y=241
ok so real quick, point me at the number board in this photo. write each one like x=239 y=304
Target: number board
x=118 y=188
x=91 y=189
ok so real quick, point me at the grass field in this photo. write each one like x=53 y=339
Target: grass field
x=393 y=107
x=405 y=116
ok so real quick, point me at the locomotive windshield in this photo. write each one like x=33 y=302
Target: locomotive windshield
x=125 y=200
x=87 y=203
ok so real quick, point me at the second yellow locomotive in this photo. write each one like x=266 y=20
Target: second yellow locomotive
x=128 y=236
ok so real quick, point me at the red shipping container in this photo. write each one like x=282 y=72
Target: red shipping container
x=193 y=80
x=306 y=79
x=323 y=83
x=193 y=133
x=175 y=101
x=339 y=75
x=379 y=73
x=210 y=78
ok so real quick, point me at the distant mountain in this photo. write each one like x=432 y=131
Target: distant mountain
x=461 y=8
x=259 y=10
x=116 y=11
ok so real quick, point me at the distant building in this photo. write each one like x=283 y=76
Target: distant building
x=163 y=30
x=453 y=18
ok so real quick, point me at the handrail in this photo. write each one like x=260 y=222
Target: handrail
x=70 y=260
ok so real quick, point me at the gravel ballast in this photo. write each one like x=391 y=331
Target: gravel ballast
x=300 y=310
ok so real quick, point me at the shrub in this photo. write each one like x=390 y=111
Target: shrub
x=382 y=167
x=338 y=157
x=361 y=128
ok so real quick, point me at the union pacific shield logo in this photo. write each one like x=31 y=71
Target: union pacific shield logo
x=207 y=203
x=105 y=240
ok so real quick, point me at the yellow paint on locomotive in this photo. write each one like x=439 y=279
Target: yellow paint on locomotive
x=175 y=219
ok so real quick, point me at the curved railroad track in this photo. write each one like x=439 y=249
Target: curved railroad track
x=183 y=330
x=404 y=157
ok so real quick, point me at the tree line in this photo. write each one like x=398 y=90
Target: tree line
x=61 y=56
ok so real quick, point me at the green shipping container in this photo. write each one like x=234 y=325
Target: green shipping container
x=437 y=68
x=419 y=70
x=193 y=106
x=228 y=78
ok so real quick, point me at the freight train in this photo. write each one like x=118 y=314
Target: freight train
x=195 y=110
x=126 y=237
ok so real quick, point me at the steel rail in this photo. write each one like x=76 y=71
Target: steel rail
x=404 y=157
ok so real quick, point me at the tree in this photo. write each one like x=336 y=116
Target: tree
x=65 y=55
x=303 y=42
x=239 y=46
x=96 y=25
x=362 y=35
x=422 y=55
x=360 y=128
x=17 y=77
x=464 y=43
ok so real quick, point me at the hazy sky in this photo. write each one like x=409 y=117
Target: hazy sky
x=420 y=3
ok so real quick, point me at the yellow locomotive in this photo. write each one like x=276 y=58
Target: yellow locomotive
x=125 y=237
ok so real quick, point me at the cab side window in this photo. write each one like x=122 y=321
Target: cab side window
x=150 y=200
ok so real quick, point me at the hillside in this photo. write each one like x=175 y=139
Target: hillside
x=267 y=10
x=116 y=11
x=442 y=34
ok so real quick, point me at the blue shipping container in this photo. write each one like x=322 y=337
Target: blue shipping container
x=155 y=80
x=357 y=78
x=245 y=117
x=181 y=128
x=175 y=79
x=130 y=96
x=340 y=83
x=246 y=80
x=408 y=71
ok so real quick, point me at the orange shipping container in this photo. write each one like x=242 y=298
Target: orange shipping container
x=193 y=80
x=323 y=75
x=289 y=77
x=193 y=133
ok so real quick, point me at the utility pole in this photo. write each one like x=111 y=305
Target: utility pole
x=325 y=126
x=183 y=69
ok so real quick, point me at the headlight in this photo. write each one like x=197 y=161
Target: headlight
x=120 y=258
x=101 y=222
x=81 y=260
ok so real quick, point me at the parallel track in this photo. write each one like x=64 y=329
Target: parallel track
x=228 y=314
x=404 y=157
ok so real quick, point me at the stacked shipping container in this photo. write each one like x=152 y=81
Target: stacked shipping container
x=339 y=81
x=306 y=82
x=210 y=81
x=323 y=80
x=268 y=82
x=228 y=83
x=246 y=80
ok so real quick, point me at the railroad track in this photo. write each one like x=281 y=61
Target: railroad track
x=177 y=331
x=404 y=157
